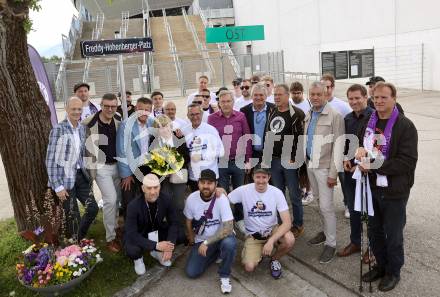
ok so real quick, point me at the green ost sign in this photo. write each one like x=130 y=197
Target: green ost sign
x=234 y=34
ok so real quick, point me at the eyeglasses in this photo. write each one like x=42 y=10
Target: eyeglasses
x=195 y=114
x=198 y=102
x=109 y=106
x=245 y=87
x=254 y=82
x=206 y=96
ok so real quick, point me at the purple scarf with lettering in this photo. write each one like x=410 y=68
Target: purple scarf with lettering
x=371 y=128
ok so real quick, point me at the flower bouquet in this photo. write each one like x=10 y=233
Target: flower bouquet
x=164 y=161
x=52 y=271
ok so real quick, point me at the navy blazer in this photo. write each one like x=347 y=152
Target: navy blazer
x=138 y=224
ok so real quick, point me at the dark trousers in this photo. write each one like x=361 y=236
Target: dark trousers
x=232 y=174
x=193 y=185
x=135 y=251
x=75 y=225
x=386 y=232
x=178 y=193
x=342 y=176
x=349 y=187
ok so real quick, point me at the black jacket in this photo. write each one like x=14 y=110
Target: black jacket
x=401 y=164
x=249 y=113
x=138 y=224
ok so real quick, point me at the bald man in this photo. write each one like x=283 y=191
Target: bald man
x=170 y=111
x=67 y=174
x=151 y=225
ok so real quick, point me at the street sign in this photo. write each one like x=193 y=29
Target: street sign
x=91 y=48
x=234 y=34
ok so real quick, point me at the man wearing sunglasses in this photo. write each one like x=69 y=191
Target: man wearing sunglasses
x=203 y=84
x=268 y=83
x=101 y=162
x=236 y=83
x=245 y=99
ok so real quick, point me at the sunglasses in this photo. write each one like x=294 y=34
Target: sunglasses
x=198 y=102
x=245 y=87
x=254 y=82
x=206 y=96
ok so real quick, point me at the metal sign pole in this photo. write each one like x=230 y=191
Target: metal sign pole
x=122 y=82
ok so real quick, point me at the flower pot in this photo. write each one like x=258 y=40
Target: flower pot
x=57 y=290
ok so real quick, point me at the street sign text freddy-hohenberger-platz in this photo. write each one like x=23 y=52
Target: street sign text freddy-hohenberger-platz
x=234 y=34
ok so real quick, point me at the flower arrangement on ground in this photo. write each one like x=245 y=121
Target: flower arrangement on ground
x=164 y=160
x=45 y=265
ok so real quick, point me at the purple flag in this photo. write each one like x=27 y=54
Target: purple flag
x=43 y=82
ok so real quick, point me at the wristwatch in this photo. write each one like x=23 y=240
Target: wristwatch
x=205 y=242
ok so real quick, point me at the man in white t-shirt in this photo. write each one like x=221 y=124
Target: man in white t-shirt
x=246 y=98
x=297 y=97
x=204 y=144
x=209 y=226
x=203 y=84
x=261 y=205
x=81 y=91
x=268 y=83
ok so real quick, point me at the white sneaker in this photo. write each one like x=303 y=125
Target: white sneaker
x=139 y=266
x=346 y=213
x=158 y=256
x=240 y=226
x=308 y=198
x=225 y=285
x=218 y=261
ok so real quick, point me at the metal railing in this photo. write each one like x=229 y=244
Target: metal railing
x=96 y=34
x=200 y=45
x=172 y=47
x=219 y=13
x=125 y=16
x=223 y=47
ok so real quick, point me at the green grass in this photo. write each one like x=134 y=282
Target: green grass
x=113 y=274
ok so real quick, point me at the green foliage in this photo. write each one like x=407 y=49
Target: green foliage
x=54 y=59
x=32 y=5
x=113 y=274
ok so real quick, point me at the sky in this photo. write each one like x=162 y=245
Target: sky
x=49 y=23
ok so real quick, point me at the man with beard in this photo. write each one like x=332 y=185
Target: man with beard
x=209 y=226
x=245 y=99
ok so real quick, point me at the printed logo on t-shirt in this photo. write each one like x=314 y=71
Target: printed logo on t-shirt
x=277 y=124
x=196 y=145
x=259 y=210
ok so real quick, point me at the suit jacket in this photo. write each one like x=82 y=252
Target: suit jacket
x=138 y=224
x=60 y=157
x=249 y=113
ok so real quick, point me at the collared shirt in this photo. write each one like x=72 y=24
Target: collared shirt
x=311 y=130
x=143 y=134
x=352 y=123
x=76 y=143
x=179 y=123
x=260 y=118
x=236 y=126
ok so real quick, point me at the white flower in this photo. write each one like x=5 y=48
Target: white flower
x=75 y=273
x=12 y=293
x=84 y=269
x=29 y=249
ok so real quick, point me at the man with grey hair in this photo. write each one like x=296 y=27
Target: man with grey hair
x=67 y=174
x=151 y=225
x=284 y=126
x=256 y=115
x=323 y=152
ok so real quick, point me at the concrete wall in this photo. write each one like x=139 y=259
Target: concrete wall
x=396 y=29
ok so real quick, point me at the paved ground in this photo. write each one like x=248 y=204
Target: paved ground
x=420 y=275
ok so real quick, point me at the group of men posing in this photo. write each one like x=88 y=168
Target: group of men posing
x=254 y=132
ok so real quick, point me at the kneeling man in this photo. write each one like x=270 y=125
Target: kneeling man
x=151 y=225
x=209 y=225
x=261 y=202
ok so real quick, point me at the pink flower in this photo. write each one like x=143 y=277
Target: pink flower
x=71 y=250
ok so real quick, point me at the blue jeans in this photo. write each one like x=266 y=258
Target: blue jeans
x=236 y=175
x=282 y=178
x=225 y=248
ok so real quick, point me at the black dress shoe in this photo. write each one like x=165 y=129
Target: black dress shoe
x=373 y=275
x=388 y=282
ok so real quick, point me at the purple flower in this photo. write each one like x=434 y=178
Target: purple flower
x=31 y=257
x=28 y=275
x=38 y=231
x=42 y=259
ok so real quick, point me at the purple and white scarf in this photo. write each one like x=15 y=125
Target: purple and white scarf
x=383 y=141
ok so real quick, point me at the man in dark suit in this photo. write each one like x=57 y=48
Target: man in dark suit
x=257 y=114
x=151 y=225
